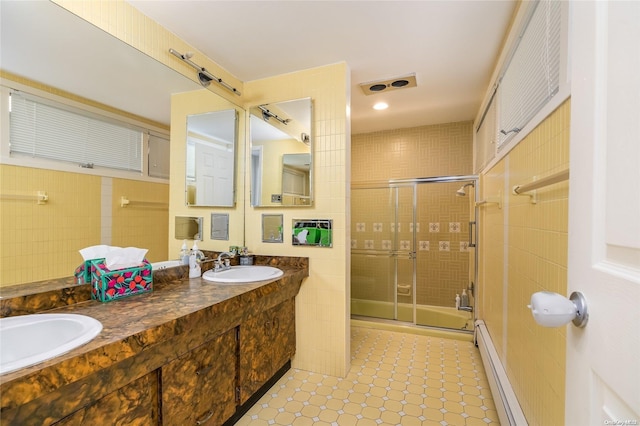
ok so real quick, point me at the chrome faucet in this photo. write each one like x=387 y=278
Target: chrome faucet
x=222 y=262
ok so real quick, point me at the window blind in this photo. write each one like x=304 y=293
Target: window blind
x=532 y=75
x=44 y=129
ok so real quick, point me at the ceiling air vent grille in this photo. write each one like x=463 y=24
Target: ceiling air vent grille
x=374 y=87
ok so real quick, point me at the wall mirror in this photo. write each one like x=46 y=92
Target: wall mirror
x=109 y=71
x=188 y=228
x=210 y=167
x=282 y=154
x=272 y=228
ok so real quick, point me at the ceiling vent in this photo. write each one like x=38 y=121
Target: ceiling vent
x=373 y=87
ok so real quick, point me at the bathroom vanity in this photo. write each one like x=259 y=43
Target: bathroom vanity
x=190 y=352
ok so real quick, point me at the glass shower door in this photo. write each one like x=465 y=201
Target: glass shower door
x=445 y=255
x=382 y=256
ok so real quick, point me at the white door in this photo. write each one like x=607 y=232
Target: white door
x=214 y=175
x=603 y=359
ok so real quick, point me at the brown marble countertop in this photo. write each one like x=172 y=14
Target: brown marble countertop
x=134 y=324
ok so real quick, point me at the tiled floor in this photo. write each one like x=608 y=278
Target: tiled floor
x=395 y=379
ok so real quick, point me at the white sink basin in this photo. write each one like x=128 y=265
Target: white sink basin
x=155 y=266
x=243 y=274
x=29 y=339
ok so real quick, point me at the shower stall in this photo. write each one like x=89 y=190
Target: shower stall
x=413 y=250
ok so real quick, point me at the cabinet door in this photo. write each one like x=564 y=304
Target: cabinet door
x=133 y=404
x=199 y=387
x=267 y=342
x=283 y=337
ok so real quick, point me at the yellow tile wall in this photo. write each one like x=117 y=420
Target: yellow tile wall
x=322 y=307
x=40 y=242
x=531 y=240
x=425 y=151
x=141 y=225
x=491 y=257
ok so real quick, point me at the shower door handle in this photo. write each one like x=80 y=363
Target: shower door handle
x=472 y=224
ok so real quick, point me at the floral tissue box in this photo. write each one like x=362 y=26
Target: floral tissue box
x=109 y=285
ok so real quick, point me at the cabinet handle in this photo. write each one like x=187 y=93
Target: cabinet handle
x=204 y=370
x=205 y=419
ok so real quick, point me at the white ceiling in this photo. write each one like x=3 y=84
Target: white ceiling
x=451 y=46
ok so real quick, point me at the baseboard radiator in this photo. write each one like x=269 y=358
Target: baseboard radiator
x=504 y=397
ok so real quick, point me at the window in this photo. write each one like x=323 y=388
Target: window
x=532 y=73
x=54 y=134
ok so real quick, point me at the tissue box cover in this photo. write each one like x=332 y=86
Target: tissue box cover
x=110 y=285
x=83 y=273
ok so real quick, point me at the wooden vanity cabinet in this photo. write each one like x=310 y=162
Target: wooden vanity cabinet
x=267 y=342
x=238 y=348
x=199 y=387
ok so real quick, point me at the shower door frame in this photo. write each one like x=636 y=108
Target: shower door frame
x=413 y=183
x=473 y=234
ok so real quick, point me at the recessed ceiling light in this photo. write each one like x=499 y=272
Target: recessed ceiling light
x=381 y=106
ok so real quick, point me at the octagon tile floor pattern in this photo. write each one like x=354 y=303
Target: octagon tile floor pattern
x=395 y=379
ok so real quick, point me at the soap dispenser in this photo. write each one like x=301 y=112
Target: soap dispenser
x=184 y=253
x=457 y=301
x=195 y=257
x=464 y=299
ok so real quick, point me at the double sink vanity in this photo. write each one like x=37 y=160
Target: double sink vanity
x=192 y=351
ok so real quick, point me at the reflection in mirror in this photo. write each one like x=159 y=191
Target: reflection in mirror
x=272 y=228
x=211 y=141
x=188 y=228
x=296 y=179
x=282 y=154
x=220 y=226
x=45 y=47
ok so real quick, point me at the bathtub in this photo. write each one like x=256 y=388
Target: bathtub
x=433 y=316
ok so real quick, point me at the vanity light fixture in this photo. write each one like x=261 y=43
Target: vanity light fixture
x=204 y=77
x=380 y=106
x=266 y=115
